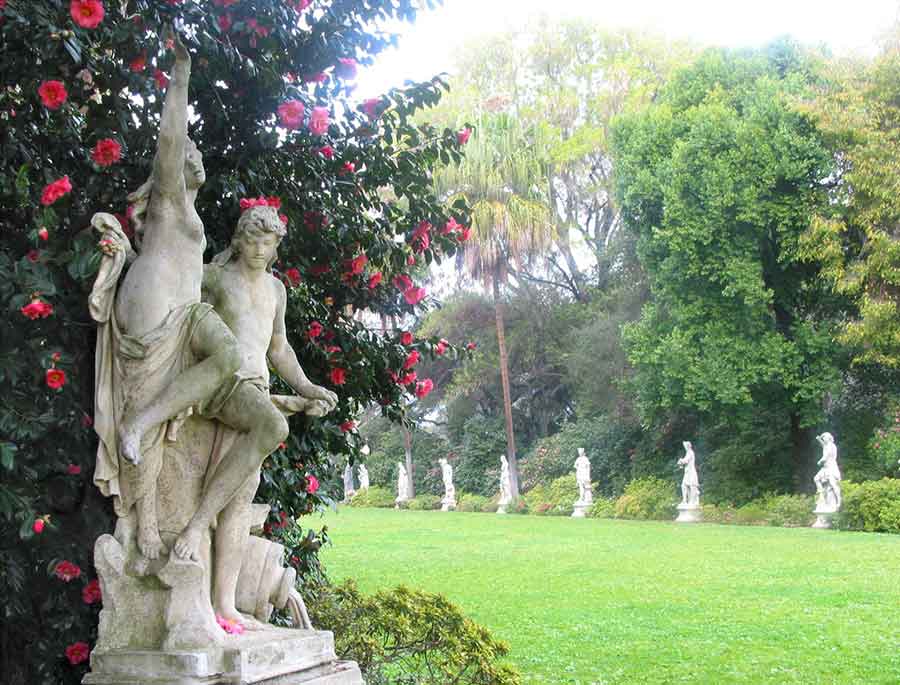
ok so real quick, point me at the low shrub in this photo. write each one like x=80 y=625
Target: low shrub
x=373 y=496
x=751 y=514
x=424 y=503
x=789 y=510
x=469 y=502
x=603 y=508
x=554 y=499
x=718 y=513
x=647 y=499
x=518 y=506
x=408 y=637
x=872 y=506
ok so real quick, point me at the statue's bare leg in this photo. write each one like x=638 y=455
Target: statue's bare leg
x=262 y=427
x=232 y=532
x=212 y=343
x=148 y=540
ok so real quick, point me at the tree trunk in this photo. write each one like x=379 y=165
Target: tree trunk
x=507 y=401
x=407 y=446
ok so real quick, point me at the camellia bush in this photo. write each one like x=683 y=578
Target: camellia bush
x=275 y=120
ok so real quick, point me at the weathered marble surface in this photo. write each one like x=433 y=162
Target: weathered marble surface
x=828 y=483
x=505 y=486
x=402 y=485
x=448 y=502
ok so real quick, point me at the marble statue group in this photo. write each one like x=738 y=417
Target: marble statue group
x=185 y=419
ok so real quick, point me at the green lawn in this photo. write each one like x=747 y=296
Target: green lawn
x=600 y=601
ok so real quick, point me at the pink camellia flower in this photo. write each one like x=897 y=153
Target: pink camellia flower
x=441 y=347
x=348 y=426
x=402 y=282
x=406 y=338
x=315 y=330
x=293 y=276
x=33 y=256
x=451 y=227
x=346 y=68
x=37 y=309
x=312 y=484
x=411 y=260
x=53 y=191
x=38 y=526
x=87 y=13
x=56 y=356
x=421 y=237
x=66 y=571
x=338 y=376
x=225 y=21
x=414 y=295
x=424 y=387
x=55 y=378
x=471 y=346
x=90 y=594
x=283 y=218
x=326 y=151
x=462 y=137
x=73 y=469
x=374 y=280
x=370 y=107
x=319 y=121
x=273 y=201
x=78 y=653
x=348 y=168
x=106 y=152
x=290 y=114
x=229 y=626
x=411 y=360
x=408 y=378
x=53 y=94
x=44 y=234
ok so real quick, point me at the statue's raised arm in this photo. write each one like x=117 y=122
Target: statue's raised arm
x=169 y=163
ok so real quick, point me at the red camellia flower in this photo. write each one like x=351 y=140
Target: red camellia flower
x=326 y=151
x=348 y=426
x=312 y=484
x=411 y=360
x=315 y=330
x=91 y=592
x=471 y=346
x=53 y=191
x=450 y=227
x=464 y=234
x=138 y=64
x=66 y=571
x=358 y=264
x=162 y=80
x=56 y=378
x=441 y=347
x=38 y=526
x=402 y=282
x=424 y=387
x=225 y=22
x=293 y=276
x=44 y=234
x=78 y=653
x=414 y=295
x=290 y=114
x=33 y=256
x=348 y=168
x=338 y=375
x=406 y=338
x=107 y=152
x=73 y=469
x=421 y=237
x=346 y=68
x=53 y=94
x=463 y=136
x=374 y=280
x=37 y=309
x=408 y=378
x=87 y=13
x=370 y=107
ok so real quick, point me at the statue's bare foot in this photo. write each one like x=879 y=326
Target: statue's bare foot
x=150 y=544
x=187 y=546
x=232 y=615
x=130 y=442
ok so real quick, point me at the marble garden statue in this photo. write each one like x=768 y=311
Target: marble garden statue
x=583 y=478
x=448 y=502
x=402 y=485
x=828 y=483
x=505 y=487
x=363 y=477
x=185 y=419
x=689 y=509
x=349 y=490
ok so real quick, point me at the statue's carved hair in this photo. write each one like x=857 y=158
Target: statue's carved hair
x=257 y=220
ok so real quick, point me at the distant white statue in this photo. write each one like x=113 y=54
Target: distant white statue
x=363 y=477
x=505 y=486
x=349 y=490
x=690 y=484
x=449 y=500
x=402 y=485
x=828 y=482
x=583 y=478
x=689 y=510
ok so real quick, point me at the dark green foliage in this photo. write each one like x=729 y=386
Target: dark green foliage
x=873 y=506
x=408 y=637
x=553 y=499
x=477 y=469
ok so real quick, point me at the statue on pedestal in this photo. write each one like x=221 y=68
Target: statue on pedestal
x=349 y=490
x=363 y=477
x=402 y=485
x=505 y=486
x=449 y=500
x=583 y=478
x=828 y=482
x=185 y=420
x=689 y=510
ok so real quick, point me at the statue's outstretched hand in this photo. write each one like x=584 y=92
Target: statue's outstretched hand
x=173 y=40
x=317 y=392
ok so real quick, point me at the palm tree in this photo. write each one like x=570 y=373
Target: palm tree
x=501 y=179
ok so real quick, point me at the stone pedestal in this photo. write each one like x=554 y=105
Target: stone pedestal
x=274 y=656
x=580 y=509
x=448 y=505
x=823 y=518
x=689 y=513
x=501 y=509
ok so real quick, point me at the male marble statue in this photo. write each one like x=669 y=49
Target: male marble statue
x=449 y=500
x=363 y=477
x=828 y=478
x=690 y=484
x=505 y=487
x=402 y=484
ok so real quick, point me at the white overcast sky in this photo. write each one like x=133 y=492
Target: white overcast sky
x=427 y=47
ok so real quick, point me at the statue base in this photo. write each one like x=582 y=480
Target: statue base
x=501 y=509
x=580 y=509
x=448 y=506
x=273 y=656
x=689 y=513
x=823 y=518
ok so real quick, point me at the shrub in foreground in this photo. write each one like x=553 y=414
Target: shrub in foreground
x=424 y=503
x=873 y=506
x=554 y=499
x=408 y=637
x=477 y=503
x=603 y=508
x=647 y=498
x=373 y=496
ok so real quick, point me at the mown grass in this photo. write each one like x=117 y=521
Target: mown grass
x=603 y=601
